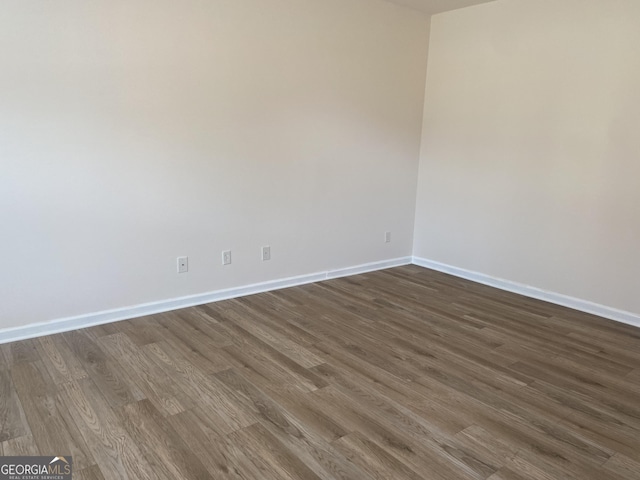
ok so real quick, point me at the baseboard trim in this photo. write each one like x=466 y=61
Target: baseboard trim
x=369 y=267
x=108 y=316
x=533 y=292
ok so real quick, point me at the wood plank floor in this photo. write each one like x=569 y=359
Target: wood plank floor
x=399 y=374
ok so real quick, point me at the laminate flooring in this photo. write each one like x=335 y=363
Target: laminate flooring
x=398 y=374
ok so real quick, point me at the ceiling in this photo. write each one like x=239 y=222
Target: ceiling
x=437 y=6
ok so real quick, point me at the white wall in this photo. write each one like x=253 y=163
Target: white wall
x=132 y=132
x=530 y=166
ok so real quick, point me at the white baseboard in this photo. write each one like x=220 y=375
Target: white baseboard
x=108 y=316
x=528 y=291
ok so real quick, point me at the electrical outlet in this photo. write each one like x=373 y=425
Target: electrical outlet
x=183 y=264
x=387 y=237
x=266 y=253
x=226 y=257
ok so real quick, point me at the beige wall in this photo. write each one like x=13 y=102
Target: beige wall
x=136 y=131
x=530 y=162
x=437 y=6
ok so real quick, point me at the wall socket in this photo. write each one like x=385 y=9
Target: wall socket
x=226 y=257
x=387 y=237
x=266 y=253
x=183 y=264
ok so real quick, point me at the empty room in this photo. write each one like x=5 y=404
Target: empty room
x=320 y=239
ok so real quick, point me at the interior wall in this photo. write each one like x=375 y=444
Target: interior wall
x=529 y=164
x=134 y=132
